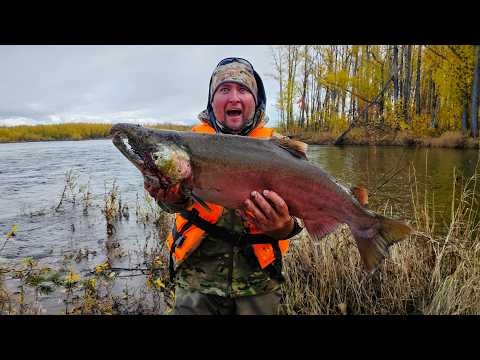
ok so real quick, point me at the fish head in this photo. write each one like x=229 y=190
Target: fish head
x=156 y=153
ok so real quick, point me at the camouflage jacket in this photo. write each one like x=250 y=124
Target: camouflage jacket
x=219 y=268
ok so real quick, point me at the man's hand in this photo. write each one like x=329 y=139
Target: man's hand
x=269 y=213
x=171 y=195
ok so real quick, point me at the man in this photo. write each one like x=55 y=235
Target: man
x=229 y=261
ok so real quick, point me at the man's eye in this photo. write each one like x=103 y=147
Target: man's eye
x=243 y=89
x=224 y=90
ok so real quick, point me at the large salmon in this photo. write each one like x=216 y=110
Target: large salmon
x=225 y=169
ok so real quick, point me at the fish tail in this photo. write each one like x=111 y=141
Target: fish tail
x=373 y=243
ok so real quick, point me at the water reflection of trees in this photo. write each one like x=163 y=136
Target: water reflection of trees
x=393 y=170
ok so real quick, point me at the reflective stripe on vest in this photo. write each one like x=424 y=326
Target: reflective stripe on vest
x=191 y=238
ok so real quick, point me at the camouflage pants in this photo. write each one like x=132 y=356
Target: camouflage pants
x=196 y=303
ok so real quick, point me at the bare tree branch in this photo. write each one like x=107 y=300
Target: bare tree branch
x=341 y=138
x=437 y=53
x=327 y=84
x=452 y=49
x=375 y=58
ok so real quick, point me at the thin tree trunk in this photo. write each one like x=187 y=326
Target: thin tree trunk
x=352 y=99
x=418 y=109
x=367 y=61
x=382 y=98
x=292 y=68
x=430 y=92
x=318 y=107
x=326 y=105
x=304 y=87
x=395 y=74
x=313 y=91
x=465 y=116
x=435 y=103
x=400 y=71
x=406 y=85
x=278 y=62
x=475 y=93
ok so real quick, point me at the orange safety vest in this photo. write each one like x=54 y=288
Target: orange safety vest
x=193 y=235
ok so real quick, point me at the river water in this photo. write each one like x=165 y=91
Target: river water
x=32 y=179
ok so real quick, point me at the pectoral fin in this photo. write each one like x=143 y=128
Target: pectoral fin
x=321 y=225
x=361 y=194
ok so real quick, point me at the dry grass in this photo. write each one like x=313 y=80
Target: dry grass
x=429 y=273
x=375 y=136
x=451 y=139
x=310 y=137
x=170 y=127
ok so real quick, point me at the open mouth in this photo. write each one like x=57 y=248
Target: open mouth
x=234 y=112
x=120 y=140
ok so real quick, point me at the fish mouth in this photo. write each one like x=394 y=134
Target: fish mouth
x=122 y=139
x=128 y=139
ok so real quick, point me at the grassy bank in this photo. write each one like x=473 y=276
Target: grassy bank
x=429 y=273
x=363 y=136
x=68 y=131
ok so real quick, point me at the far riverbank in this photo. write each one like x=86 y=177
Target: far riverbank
x=362 y=136
x=358 y=136
x=66 y=132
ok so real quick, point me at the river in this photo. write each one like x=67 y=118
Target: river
x=32 y=179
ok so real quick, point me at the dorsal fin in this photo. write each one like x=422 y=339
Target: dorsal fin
x=361 y=194
x=294 y=147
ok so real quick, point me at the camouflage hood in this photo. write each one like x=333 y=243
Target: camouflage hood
x=236 y=72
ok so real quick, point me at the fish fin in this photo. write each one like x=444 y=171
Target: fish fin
x=321 y=226
x=294 y=147
x=200 y=201
x=373 y=243
x=361 y=194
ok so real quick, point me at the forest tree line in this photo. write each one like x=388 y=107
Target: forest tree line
x=428 y=89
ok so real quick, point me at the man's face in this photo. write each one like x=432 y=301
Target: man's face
x=233 y=105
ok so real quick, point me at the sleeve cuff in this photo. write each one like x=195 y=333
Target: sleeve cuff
x=296 y=229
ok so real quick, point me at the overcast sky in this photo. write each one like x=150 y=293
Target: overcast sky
x=140 y=84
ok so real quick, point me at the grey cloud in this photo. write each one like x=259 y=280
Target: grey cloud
x=70 y=83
